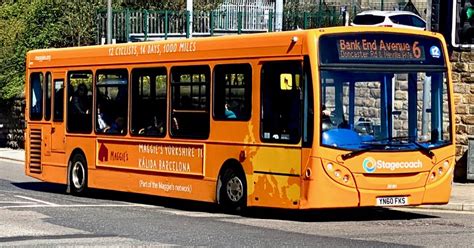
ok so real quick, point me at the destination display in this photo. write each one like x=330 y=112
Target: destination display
x=380 y=48
x=358 y=49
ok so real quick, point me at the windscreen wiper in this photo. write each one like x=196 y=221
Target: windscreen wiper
x=409 y=140
x=369 y=147
x=422 y=149
x=355 y=153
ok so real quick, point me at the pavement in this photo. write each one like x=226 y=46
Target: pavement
x=462 y=194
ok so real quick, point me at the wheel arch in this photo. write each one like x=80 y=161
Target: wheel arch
x=230 y=163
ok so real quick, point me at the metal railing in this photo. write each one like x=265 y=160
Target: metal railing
x=140 y=25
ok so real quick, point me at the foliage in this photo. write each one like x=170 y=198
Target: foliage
x=38 y=24
x=11 y=54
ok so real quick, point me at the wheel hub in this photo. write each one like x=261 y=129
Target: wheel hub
x=235 y=189
x=78 y=175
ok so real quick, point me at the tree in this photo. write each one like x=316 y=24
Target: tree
x=11 y=59
x=39 y=24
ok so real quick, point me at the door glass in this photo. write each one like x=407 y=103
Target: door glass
x=58 y=100
x=36 y=96
x=281 y=102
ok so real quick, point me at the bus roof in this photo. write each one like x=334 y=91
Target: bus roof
x=288 y=43
x=224 y=47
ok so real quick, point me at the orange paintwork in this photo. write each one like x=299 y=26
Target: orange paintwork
x=282 y=176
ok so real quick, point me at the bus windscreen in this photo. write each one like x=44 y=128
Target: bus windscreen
x=381 y=48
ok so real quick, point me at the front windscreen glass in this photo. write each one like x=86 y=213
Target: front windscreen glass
x=386 y=110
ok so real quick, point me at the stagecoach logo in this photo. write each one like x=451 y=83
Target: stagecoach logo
x=370 y=165
x=435 y=52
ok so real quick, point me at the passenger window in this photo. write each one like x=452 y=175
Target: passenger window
x=112 y=101
x=58 y=100
x=149 y=102
x=281 y=102
x=36 y=96
x=79 y=116
x=190 y=101
x=232 y=92
x=47 y=90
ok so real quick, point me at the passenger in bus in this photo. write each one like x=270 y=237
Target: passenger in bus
x=79 y=106
x=326 y=119
x=229 y=114
x=118 y=126
x=102 y=125
x=156 y=128
x=80 y=101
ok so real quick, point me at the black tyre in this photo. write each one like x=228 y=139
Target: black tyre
x=78 y=174
x=233 y=190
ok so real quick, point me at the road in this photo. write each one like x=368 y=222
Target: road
x=34 y=213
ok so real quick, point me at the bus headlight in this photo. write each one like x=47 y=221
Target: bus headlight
x=339 y=173
x=440 y=170
x=345 y=178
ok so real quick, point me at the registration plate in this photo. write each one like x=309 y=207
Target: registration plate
x=392 y=201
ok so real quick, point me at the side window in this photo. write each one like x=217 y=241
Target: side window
x=281 y=102
x=405 y=20
x=396 y=19
x=417 y=22
x=232 y=92
x=47 y=90
x=36 y=96
x=79 y=102
x=149 y=102
x=112 y=101
x=190 y=101
x=308 y=105
x=58 y=100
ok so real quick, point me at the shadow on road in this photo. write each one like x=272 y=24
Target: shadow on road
x=42 y=187
x=325 y=215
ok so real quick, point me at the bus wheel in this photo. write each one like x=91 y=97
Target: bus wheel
x=78 y=174
x=233 y=191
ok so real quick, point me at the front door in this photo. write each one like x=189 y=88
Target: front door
x=277 y=165
x=58 y=141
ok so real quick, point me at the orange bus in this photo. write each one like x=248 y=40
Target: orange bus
x=325 y=118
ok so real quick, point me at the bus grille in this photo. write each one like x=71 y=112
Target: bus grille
x=35 y=150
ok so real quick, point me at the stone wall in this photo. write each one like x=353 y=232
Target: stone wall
x=463 y=78
x=12 y=123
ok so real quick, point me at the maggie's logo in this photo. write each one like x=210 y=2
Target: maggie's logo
x=103 y=153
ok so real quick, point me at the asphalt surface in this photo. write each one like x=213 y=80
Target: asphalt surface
x=34 y=213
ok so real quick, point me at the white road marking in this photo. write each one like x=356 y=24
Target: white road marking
x=36 y=200
x=432 y=210
x=77 y=205
x=196 y=214
x=13 y=202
